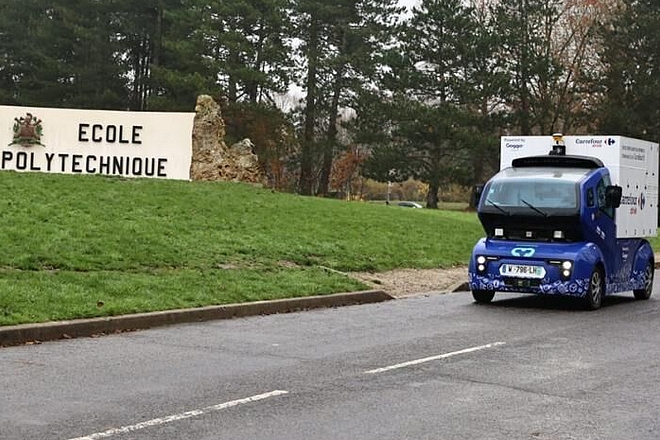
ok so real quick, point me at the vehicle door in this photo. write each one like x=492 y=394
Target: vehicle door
x=603 y=230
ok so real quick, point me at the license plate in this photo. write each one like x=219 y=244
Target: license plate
x=522 y=271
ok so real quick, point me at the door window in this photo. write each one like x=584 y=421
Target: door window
x=601 y=199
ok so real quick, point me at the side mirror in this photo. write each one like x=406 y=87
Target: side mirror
x=613 y=195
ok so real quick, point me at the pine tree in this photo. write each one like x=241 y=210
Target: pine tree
x=91 y=69
x=245 y=45
x=342 y=44
x=423 y=137
x=631 y=83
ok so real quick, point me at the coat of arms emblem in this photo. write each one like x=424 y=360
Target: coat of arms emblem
x=27 y=131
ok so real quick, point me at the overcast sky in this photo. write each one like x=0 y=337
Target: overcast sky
x=408 y=3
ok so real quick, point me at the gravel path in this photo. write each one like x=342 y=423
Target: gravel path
x=405 y=282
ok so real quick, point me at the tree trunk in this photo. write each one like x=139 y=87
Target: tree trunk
x=525 y=125
x=252 y=86
x=434 y=187
x=331 y=141
x=306 y=161
x=432 y=195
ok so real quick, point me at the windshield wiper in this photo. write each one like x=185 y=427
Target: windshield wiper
x=499 y=208
x=534 y=207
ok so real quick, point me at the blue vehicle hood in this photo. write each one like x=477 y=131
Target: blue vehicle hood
x=528 y=250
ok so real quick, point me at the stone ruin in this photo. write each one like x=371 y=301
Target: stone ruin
x=211 y=158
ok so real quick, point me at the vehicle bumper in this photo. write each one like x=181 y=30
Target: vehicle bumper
x=573 y=287
x=548 y=256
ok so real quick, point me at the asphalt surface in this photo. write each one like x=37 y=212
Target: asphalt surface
x=426 y=367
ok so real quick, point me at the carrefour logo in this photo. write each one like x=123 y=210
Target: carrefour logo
x=523 y=252
x=598 y=143
x=635 y=203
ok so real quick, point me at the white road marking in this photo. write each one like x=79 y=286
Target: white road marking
x=434 y=358
x=182 y=416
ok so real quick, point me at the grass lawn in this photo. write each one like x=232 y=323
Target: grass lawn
x=85 y=246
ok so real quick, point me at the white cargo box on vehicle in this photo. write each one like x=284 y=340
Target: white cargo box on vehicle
x=633 y=165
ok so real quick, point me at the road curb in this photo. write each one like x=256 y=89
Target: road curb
x=49 y=331
x=461 y=286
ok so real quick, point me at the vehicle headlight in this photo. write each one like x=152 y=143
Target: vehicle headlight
x=567 y=265
x=481 y=259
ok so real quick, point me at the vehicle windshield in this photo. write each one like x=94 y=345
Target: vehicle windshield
x=534 y=188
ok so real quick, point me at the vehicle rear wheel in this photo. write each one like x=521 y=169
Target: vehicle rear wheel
x=483 y=296
x=596 y=289
x=645 y=293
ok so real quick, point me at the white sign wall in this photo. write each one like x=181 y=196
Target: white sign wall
x=115 y=143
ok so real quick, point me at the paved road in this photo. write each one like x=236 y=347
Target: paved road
x=429 y=367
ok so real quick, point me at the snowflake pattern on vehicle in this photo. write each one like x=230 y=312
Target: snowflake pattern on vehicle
x=577 y=288
x=636 y=281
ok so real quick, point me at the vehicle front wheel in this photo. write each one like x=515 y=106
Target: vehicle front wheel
x=483 y=296
x=645 y=293
x=596 y=290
